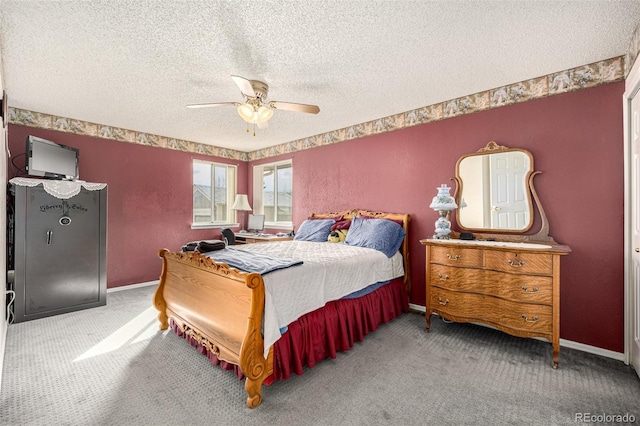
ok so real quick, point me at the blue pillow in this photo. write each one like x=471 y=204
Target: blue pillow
x=380 y=234
x=314 y=230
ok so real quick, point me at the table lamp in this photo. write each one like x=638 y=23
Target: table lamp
x=242 y=203
x=443 y=203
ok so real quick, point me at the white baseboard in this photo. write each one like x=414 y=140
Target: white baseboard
x=619 y=356
x=593 y=350
x=417 y=308
x=132 y=286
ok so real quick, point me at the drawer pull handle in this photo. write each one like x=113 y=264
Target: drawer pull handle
x=441 y=302
x=526 y=318
x=515 y=264
x=443 y=278
x=456 y=257
x=526 y=289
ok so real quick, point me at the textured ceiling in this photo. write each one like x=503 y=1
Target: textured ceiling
x=136 y=64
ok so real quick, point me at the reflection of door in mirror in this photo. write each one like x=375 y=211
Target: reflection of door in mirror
x=495 y=191
x=509 y=207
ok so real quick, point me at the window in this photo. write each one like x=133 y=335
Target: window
x=272 y=192
x=214 y=188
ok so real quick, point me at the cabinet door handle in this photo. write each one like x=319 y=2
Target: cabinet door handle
x=526 y=289
x=526 y=318
x=515 y=264
x=456 y=257
x=443 y=278
x=49 y=235
x=441 y=302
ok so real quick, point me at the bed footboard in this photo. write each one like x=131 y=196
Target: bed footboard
x=221 y=308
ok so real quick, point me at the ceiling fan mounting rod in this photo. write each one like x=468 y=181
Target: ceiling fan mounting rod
x=260 y=88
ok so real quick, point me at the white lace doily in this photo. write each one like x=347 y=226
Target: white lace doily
x=63 y=189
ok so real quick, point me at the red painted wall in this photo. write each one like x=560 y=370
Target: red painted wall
x=576 y=140
x=149 y=198
x=577 y=143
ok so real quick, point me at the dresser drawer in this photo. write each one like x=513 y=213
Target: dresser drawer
x=519 y=262
x=519 y=288
x=517 y=317
x=456 y=256
x=456 y=278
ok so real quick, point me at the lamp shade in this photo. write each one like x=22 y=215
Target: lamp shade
x=241 y=203
x=443 y=201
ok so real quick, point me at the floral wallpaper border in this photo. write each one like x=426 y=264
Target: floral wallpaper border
x=590 y=75
x=79 y=127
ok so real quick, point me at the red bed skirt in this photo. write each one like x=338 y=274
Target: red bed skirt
x=322 y=333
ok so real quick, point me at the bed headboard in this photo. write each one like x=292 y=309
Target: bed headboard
x=404 y=217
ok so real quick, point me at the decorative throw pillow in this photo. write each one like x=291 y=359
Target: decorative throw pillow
x=314 y=230
x=341 y=224
x=379 y=234
x=364 y=216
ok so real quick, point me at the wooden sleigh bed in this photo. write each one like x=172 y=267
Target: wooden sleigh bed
x=220 y=309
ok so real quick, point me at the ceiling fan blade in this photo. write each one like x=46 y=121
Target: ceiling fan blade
x=244 y=85
x=263 y=125
x=216 y=104
x=290 y=106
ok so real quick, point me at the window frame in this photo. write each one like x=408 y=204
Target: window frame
x=258 y=193
x=232 y=188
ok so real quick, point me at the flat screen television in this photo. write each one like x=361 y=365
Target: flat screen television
x=52 y=160
x=256 y=223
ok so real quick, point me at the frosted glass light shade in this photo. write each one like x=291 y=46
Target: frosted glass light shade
x=264 y=114
x=252 y=115
x=246 y=112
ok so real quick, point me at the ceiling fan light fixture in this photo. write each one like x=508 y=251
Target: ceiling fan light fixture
x=255 y=110
x=246 y=111
x=264 y=114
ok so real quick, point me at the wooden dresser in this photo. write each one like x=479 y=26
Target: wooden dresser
x=514 y=287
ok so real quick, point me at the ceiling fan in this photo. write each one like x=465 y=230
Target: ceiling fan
x=255 y=109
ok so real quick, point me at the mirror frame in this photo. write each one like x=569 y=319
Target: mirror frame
x=507 y=234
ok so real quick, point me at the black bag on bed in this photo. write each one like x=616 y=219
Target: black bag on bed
x=203 y=246
x=190 y=246
x=210 y=245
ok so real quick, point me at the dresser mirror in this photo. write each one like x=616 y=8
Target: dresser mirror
x=495 y=194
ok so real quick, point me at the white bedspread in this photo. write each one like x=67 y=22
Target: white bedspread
x=329 y=272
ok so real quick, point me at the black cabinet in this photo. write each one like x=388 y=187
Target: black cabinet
x=59 y=251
